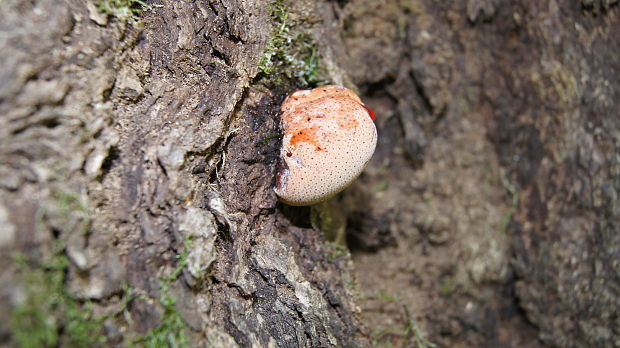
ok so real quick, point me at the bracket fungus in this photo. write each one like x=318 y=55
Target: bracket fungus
x=329 y=137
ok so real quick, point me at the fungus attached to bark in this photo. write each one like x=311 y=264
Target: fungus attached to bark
x=329 y=137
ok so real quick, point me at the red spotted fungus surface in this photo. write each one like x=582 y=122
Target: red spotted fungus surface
x=329 y=137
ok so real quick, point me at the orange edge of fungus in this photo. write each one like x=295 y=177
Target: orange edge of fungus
x=370 y=112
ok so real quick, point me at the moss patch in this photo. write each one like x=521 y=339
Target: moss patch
x=291 y=55
x=171 y=331
x=49 y=315
x=336 y=251
x=124 y=10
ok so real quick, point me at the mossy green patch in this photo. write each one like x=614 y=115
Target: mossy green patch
x=67 y=202
x=291 y=53
x=124 y=10
x=336 y=251
x=171 y=331
x=49 y=315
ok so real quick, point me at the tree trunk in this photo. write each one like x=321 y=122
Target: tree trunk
x=138 y=153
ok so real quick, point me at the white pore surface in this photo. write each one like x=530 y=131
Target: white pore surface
x=336 y=142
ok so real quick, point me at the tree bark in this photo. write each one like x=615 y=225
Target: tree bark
x=145 y=154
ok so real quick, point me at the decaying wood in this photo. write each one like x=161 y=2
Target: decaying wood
x=133 y=144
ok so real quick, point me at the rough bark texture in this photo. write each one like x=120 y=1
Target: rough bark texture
x=154 y=129
x=488 y=216
x=507 y=110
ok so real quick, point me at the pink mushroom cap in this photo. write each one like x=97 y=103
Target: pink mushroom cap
x=329 y=137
